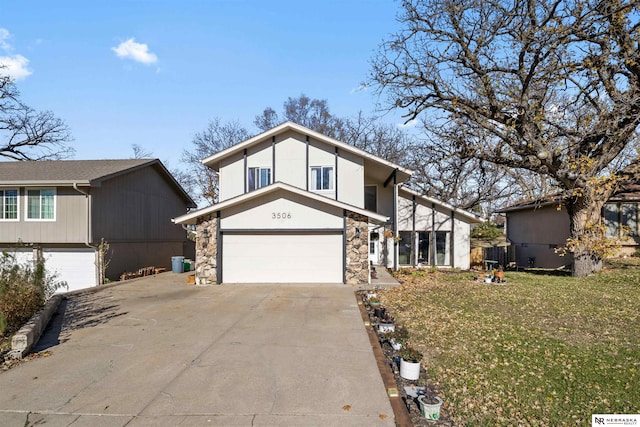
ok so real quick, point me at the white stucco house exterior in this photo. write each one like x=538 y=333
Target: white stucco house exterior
x=296 y=206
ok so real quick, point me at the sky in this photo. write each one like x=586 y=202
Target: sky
x=154 y=72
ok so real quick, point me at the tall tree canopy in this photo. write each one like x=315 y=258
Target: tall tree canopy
x=547 y=86
x=27 y=134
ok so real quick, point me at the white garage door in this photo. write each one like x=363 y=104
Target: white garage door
x=21 y=256
x=75 y=266
x=282 y=258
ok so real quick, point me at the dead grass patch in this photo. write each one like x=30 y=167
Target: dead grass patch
x=539 y=350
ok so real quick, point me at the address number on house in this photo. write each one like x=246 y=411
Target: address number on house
x=280 y=215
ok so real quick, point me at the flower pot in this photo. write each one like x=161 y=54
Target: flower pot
x=379 y=312
x=374 y=303
x=430 y=411
x=386 y=327
x=395 y=345
x=409 y=370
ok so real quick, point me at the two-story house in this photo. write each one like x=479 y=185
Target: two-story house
x=296 y=206
x=61 y=210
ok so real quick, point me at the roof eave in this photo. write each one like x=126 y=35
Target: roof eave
x=474 y=218
x=211 y=160
x=191 y=217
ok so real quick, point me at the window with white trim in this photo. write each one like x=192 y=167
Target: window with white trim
x=321 y=178
x=41 y=204
x=258 y=178
x=9 y=204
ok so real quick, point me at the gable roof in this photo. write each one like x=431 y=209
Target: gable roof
x=79 y=172
x=402 y=173
x=471 y=216
x=532 y=204
x=191 y=217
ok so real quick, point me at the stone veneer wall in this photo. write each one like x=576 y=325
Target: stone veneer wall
x=206 y=250
x=357 y=251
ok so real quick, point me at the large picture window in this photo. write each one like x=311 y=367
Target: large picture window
x=424 y=247
x=321 y=178
x=9 y=205
x=41 y=204
x=259 y=177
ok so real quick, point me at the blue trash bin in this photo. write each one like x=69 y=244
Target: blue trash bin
x=177 y=264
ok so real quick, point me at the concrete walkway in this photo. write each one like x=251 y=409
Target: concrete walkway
x=159 y=352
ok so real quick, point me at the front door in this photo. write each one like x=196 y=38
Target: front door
x=374 y=251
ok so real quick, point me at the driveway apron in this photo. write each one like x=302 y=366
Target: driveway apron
x=157 y=351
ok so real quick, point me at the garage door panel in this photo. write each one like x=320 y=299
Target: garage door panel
x=76 y=267
x=282 y=258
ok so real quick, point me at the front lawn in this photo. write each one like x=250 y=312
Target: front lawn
x=538 y=350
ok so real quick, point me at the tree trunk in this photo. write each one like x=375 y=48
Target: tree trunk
x=587 y=241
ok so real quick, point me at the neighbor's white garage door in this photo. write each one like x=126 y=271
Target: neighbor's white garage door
x=282 y=258
x=75 y=266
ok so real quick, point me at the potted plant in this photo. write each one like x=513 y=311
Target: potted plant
x=374 y=301
x=387 y=324
x=430 y=407
x=498 y=275
x=409 y=362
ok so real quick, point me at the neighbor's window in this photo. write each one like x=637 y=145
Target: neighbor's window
x=259 y=177
x=621 y=220
x=9 y=204
x=322 y=178
x=41 y=204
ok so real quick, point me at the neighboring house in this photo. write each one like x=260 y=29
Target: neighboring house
x=537 y=230
x=298 y=206
x=61 y=210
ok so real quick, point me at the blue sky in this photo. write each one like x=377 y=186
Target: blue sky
x=154 y=72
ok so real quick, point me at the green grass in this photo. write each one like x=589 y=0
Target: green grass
x=538 y=350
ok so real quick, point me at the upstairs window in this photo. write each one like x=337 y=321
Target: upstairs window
x=9 y=205
x=321 y=178
x=371 y=198
x=41 y=204
x=258 y=178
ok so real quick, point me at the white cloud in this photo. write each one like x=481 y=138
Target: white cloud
x=5 y=35
x=362 y=88
x=138 y=52
x=14 y=66
x=410 y=124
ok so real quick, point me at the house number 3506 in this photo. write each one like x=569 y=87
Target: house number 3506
x=280 y=215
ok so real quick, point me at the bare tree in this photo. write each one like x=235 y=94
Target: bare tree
x=548 y=86
x=381 y=139
x=216 y=137
x=27 y=134
x=311 y=113
x=140 y=153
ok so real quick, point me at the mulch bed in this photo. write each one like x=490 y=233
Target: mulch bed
x=393 y=360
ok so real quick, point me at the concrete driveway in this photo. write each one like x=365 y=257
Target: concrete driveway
x=159 y=352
